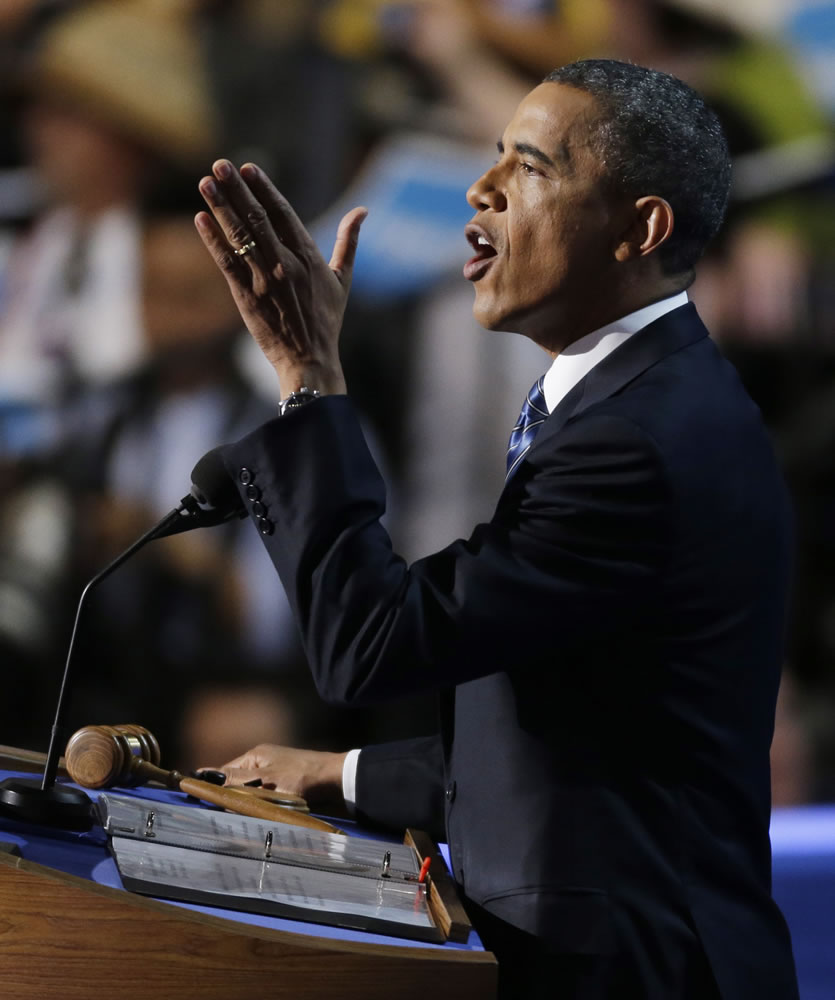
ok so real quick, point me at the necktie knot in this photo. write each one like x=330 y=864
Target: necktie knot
x=533 y=416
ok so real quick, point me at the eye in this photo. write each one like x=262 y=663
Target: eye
x=528 y=168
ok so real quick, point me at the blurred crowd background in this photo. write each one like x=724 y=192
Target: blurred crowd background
x=122 y=359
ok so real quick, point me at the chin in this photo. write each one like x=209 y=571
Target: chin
x=501 y=322
x=491 y=324
x=535 y=321
x=489 y=317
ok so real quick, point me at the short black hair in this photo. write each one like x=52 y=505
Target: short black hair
x=656 y=135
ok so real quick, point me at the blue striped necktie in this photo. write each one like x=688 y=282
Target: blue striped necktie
x=534 y=414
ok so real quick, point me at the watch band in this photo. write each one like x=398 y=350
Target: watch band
x=300 y=397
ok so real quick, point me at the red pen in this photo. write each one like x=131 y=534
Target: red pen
x=424 y=868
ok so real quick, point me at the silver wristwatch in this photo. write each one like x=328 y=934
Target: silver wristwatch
x=300 y=397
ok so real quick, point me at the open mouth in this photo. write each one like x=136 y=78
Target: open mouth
x=484 y=253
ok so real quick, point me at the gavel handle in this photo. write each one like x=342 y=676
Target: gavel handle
x=234 y=799
x=239 y=801
x=286 y=799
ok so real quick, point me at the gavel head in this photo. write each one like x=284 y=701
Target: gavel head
x=101 y=756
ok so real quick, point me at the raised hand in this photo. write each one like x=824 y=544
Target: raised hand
x=290 y=299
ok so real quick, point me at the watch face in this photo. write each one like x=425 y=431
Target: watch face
x=297 y=399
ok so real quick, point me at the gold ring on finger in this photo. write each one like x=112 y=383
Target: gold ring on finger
x=245 y=249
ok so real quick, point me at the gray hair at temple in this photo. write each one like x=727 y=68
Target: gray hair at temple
x=656 y=136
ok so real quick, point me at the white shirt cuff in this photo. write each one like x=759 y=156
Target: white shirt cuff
x=349 y=780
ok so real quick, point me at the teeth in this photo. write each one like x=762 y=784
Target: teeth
x=482 y=242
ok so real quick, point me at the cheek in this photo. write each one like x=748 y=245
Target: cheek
x=567 y=242
x=543 y=255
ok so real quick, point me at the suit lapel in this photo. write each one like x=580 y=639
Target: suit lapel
x=672 y=332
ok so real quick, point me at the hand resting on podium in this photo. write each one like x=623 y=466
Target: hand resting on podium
x=315 y=775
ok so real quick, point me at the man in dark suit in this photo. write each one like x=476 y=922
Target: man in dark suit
x=607 y=648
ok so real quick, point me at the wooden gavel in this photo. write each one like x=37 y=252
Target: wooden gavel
x=128 y=755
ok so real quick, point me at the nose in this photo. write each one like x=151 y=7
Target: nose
x=485 y=193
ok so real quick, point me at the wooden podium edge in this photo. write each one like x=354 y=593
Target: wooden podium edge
x=62 y=936
x=444 y=904
x=32 y=761
x=228 y=925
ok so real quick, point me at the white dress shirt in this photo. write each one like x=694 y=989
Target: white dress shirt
x=578 y=359
x=568 y=367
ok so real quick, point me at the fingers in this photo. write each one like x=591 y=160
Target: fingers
x=241 y=775
x=233 y=268
x=345 y=246
x=264 y=755
x=285 y=222
x=240 y=215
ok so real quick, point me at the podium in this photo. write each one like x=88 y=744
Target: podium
x=65 y=936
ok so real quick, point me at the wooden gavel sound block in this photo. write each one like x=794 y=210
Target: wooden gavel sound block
x=103 y=756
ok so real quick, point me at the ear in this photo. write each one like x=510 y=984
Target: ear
x=651 y=225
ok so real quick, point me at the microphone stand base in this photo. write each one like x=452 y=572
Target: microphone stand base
x=25 y=800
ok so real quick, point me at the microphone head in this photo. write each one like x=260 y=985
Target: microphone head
x=212 y=486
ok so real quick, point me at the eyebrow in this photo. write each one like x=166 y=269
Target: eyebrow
x=527 y=148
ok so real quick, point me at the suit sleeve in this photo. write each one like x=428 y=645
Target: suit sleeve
x=575 y=550
x=401 y=785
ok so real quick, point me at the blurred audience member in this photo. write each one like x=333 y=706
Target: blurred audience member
x=111 y=100
x=112 y=93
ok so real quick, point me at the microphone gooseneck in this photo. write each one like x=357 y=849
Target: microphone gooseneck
x=213 y=500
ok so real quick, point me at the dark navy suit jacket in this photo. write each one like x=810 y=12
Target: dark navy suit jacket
x=607 y=649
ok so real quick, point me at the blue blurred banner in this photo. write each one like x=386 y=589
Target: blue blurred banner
x=415 y=189
x=810 y=30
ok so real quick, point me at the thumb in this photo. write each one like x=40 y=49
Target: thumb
x=345 y=245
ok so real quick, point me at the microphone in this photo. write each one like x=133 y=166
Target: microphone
x=213 y=499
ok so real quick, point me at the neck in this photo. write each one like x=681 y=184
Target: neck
x=586 y=320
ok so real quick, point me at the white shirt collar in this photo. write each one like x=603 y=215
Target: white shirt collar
x=578 y=359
